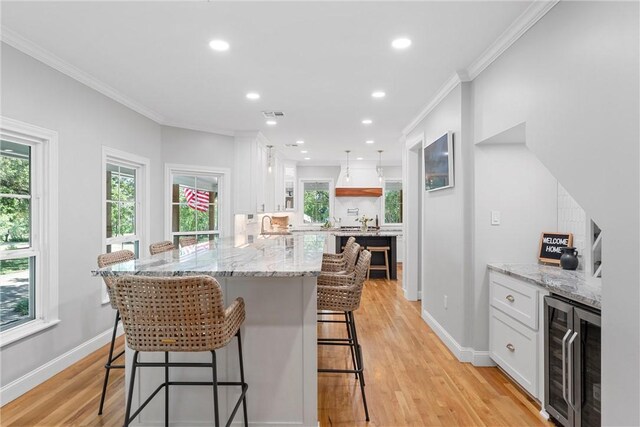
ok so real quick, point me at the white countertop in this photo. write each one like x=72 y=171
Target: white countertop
x=241 y=255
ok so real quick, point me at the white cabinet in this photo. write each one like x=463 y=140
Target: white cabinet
x=515 y=333
x=289 y=186
x=258 y=175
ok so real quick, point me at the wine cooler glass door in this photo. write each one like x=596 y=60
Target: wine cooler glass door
x=558 y=321
x=587 y=362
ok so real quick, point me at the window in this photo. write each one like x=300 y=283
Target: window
x=195 y=204
x=316 y=201
x=28 y=209
x=393 y=202
x=125 y=194
x=121 y=205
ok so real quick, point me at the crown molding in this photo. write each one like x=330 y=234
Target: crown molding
x=521 y=25
x=188 y=126
x=26 y=46
x=449 y=85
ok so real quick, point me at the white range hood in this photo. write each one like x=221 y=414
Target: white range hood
x=362 y=174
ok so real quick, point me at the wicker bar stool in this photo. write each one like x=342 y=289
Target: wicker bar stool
x=331 y=257
x=341 y=294
x=106 y=260
x=384 y=250
x=187 y=241
x=179 y=314
x=342 y=264
x=159 y=247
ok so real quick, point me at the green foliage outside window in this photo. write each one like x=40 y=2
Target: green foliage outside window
x=393 y=203
x=316 y=205
x=15 y=175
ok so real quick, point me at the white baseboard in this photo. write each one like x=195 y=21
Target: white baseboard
x=20 y=386
x=463 y=354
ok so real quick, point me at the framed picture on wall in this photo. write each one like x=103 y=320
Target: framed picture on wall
x=438 y=163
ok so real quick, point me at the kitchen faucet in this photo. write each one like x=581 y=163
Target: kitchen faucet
x=270 y=223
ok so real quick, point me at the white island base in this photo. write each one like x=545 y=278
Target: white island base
x=280 y=361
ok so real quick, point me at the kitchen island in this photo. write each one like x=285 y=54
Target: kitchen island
x=277 y=277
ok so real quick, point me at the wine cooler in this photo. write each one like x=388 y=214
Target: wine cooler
x=572 y=363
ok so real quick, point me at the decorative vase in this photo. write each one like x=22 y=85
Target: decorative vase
x=569 y=258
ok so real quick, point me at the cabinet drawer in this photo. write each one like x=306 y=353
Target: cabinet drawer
x=515 y=348
x=515 y=298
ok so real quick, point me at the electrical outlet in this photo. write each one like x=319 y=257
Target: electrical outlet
x=495 y=217
x=445 y=302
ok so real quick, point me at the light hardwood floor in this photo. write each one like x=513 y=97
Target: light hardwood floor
x=412 y=380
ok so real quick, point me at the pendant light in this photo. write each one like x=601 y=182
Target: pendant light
x=348 y=177
x=269 y=158
x=380 y=171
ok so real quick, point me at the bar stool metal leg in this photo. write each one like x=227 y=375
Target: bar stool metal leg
x=360 y=363
x=216 y=412
x=110 y=360
x=349 y=336
x=166 y=389
x=130 y=395
x=244 y=398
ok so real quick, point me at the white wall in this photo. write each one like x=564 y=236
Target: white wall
x=85 y=121
x=574 y=79
x=192 y=147
x=510 y=179
x=444 y=258
x=573 y=219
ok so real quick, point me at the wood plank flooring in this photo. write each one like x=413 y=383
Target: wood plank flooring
x=412 y=380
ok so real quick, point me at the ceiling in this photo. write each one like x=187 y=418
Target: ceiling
x=318 y=62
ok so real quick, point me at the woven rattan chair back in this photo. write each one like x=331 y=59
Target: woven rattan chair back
x=182 y=314
x=350 y=242
x=159 y=247
x=187 y=241
x=105 y=260
x=343 y=292
x=350 y=256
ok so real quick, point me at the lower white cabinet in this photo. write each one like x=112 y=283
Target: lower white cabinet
x=515 y=334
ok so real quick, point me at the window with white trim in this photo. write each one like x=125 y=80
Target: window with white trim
x=316 y=201
x=122 y=218
x=195 y=210
x=125 y=181
x=28 y=233
x=392 y=202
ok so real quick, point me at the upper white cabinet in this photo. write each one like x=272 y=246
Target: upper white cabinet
x=259 y=175
x=289 y=186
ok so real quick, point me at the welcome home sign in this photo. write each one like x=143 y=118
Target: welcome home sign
x=551 y=245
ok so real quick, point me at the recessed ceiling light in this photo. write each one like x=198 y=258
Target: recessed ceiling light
x=300 y=142
x=367 y=121
x=378 y=94
x=358 y=158
x=370 y=141
x=401 y=43
x=219 y=45
x=307 y=158
x=272 y=122
x=253 y=95
x=304 y=151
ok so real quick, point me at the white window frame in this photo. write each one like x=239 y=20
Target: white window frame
x=224 y=194
x=301 y=199
x=143 y=196
x=384 y=198
x=44 y=228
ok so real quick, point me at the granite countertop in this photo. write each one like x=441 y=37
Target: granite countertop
x=569 y=284
x=384 y=232
x=240 y=255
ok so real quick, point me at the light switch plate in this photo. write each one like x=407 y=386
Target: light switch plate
x=495 y=217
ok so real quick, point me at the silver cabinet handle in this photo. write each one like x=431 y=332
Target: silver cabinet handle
x=511 y=347
x=570 y=400
x=564 y=363
x=510 y=298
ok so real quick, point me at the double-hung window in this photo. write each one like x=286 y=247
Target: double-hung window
x=316 y=201
x=195 y=209
x=125 y=181
x=28 y=233
x=392 y=202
